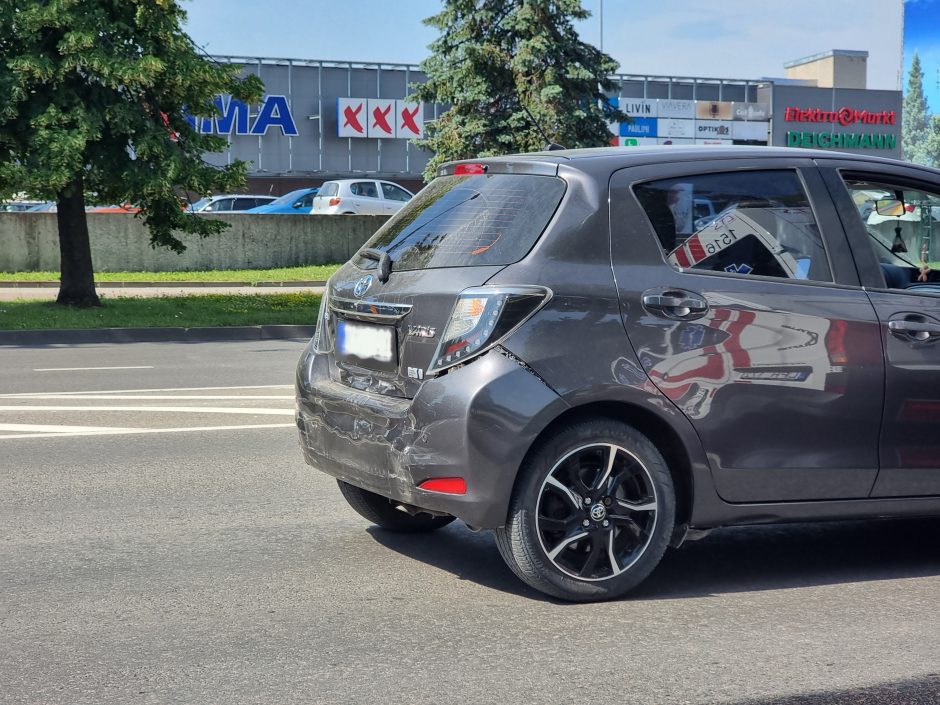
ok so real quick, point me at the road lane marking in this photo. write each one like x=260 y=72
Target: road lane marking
x=39 y=428
x=174 y=409
x=140 y=391
x=200 y=397
x=134 y=431
x=85 y=369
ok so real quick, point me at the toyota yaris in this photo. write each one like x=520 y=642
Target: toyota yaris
x=553 y=346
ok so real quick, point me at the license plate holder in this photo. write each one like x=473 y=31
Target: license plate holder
x=367 y=345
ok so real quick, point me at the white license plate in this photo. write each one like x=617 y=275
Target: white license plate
x=365 y=342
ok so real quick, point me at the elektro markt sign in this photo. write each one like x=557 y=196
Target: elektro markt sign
x=235 y=118
x=844 y=117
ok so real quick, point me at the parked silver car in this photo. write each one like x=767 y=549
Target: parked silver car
x=360 y=197
x=229 y=203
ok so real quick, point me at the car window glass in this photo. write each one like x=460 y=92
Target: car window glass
x=223 y=204
x=745 y=223
x=243 y=204
x=365 y=189
x=306 y=201
x=903 y=226
x=329 y=189
x=395 y=193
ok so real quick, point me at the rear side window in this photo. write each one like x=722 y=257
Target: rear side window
x=394 y=193
x=465 y=221
x=747 y=223
x=364 y=188
x=330 y=188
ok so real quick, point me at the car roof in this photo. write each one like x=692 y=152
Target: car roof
x=621 y=157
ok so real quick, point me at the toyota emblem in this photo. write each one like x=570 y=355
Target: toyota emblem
x=362 y=286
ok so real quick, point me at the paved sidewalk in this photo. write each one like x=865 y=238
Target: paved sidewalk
x=170 y=289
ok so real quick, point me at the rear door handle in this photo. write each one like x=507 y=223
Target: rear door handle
x=913 y=329
x=676 y=304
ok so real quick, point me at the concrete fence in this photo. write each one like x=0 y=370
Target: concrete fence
x=120 y=242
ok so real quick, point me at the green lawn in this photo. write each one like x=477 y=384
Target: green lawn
x=164 y=311
x=310 y=273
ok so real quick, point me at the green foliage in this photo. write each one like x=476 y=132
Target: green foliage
x=915 y=123
x=298 y=308
x=92 y=94
x=494 y=60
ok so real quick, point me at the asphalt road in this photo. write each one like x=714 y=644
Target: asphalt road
x=145 y=561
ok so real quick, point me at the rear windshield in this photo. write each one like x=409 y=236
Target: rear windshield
x=469 y=221
x=329 y=189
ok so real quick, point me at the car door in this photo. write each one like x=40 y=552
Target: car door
x=753 y=323
x=394 y=197
x=367 y=201
x=891 y=248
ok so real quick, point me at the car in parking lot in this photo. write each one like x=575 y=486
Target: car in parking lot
x=360 y=197
x=548 y=346
x=228 y=203
x=297 y=202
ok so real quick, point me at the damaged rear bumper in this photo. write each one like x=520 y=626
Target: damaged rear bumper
x=476 y=422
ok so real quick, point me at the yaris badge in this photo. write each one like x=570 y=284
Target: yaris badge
x=362 y=286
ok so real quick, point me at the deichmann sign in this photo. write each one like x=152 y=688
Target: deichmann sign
x=843 y=140
x=844 y=116
x=234 y=117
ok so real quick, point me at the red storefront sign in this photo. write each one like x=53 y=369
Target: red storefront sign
x=843 y=116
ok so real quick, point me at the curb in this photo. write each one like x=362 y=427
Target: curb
x=78 y=336
x=168 y=284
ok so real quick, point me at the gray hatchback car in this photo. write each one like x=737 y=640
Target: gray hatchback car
x=563 y=348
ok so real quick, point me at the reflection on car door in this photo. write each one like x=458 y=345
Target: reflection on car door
x=910 y=324
x=751 y=334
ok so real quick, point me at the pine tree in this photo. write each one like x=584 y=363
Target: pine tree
x=915 y=126
x=93 y=100
x=511 y=69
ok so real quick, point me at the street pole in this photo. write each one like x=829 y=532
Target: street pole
x=602 y=24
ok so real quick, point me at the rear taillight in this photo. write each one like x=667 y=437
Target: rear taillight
x=335 y=201
x=481 y=318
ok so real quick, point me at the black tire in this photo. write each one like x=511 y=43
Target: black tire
x=546 y=541
x=383 y=512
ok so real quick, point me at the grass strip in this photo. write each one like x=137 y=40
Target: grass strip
x=308 y=273
x=164 y=311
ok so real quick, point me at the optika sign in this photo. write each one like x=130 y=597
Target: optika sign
x=234 y=117
x=843 y=116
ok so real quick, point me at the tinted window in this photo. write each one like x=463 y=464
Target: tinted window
x=395 y=193
x=463 y=221
x=748 y=223
x=222 y=205
x=306 y=201
x=365 y=189
x=330 y=188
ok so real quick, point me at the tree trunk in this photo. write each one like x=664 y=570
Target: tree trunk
x=77 y=281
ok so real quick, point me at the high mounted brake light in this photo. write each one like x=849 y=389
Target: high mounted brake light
x=465 y=169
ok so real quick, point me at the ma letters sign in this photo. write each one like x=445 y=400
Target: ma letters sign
x=234 y=117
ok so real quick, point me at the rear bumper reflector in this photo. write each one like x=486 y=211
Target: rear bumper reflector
x=445 y=485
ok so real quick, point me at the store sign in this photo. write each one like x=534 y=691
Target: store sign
x=638 y=127
x=844 y=140
x=844 y=116
x=714 y=129
x=712 y=110
x=637 y=141
x=750 y=111
x=753 y=131
x=639 y=108
x=670 y=127
x=379 y=118
x=677 y=109
x=234 y=117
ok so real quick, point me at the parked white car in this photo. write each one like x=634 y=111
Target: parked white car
x=360 y=197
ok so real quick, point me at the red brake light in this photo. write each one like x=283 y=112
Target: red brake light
x=445 y=485
x=335 y=201
x=463 y=169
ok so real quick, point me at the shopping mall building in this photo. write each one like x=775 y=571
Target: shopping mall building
x=323 y=120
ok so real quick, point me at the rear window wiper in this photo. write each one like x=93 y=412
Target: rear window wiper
x=380 y=256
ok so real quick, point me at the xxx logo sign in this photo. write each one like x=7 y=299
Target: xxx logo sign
x=383 y=118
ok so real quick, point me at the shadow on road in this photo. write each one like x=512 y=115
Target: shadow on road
x=923 y=691
x=741 y=559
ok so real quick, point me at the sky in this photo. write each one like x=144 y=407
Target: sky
x=922 y=33
x=715 y=38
